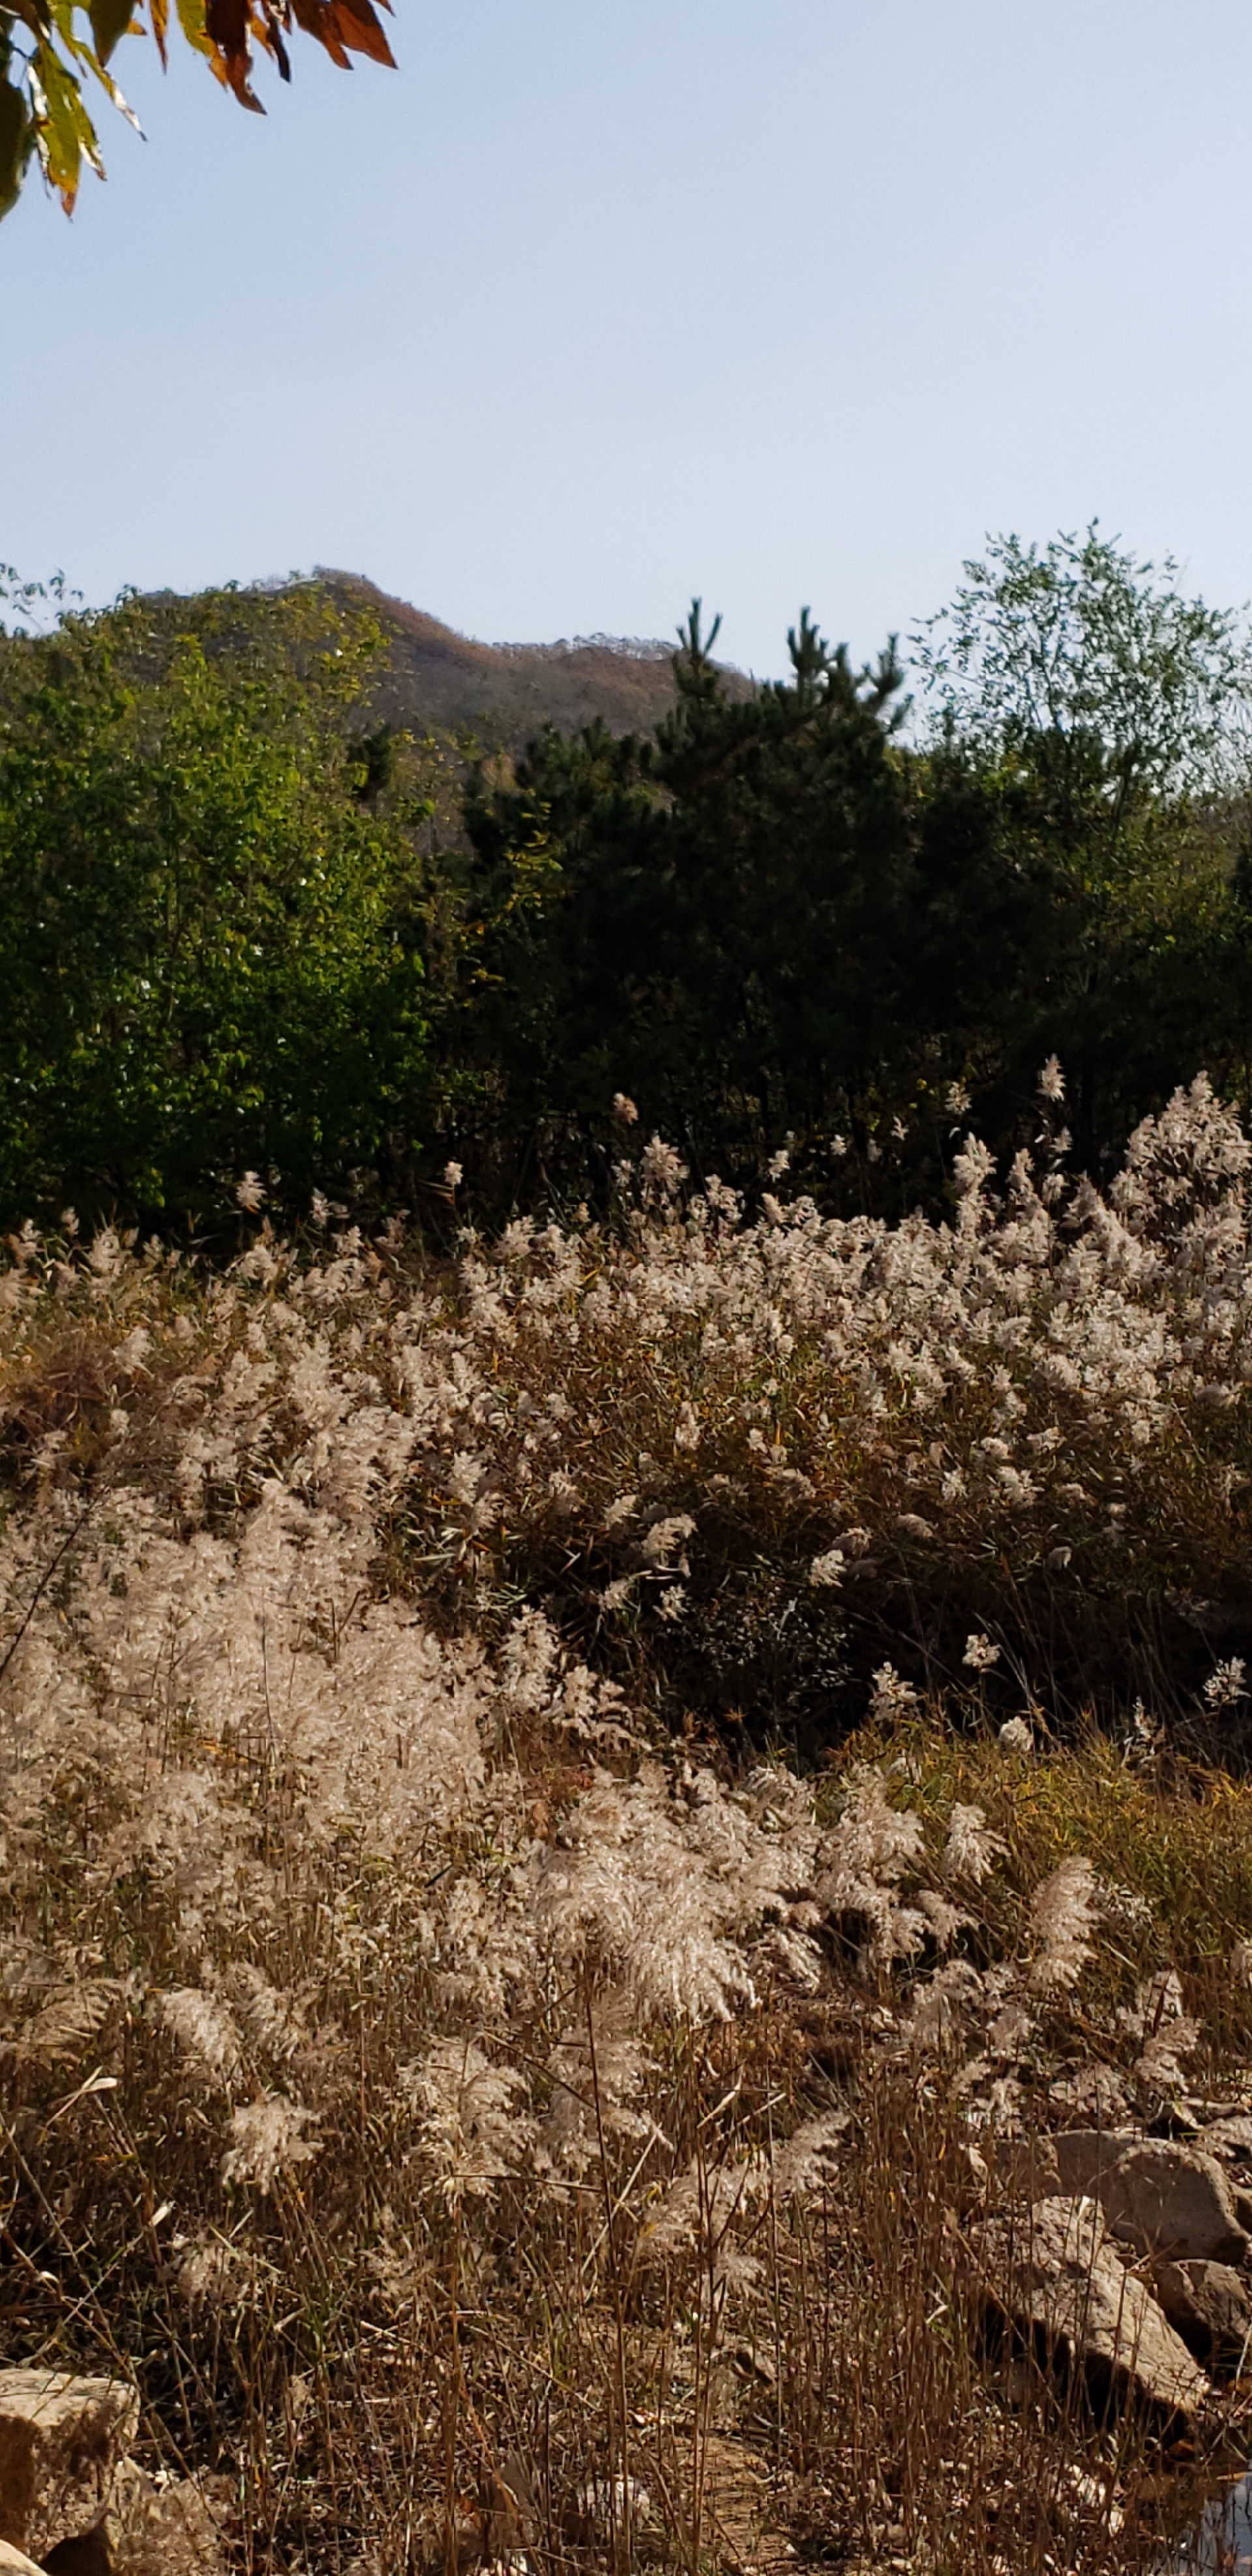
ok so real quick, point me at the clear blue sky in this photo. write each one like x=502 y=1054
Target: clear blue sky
x=595 y=304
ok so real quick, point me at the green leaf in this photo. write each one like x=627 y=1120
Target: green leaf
x=109 y=22
x=65 y=134
x=191 y=20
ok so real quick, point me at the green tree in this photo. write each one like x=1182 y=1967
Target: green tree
x=712 y=919
x=1095 y=720
x=210 y=925
x=776 y=918
x=1089 y=666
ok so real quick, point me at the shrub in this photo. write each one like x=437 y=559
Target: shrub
x=209 y=936
x=749 y=1460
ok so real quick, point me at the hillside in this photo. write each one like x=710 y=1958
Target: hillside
x=505 y=692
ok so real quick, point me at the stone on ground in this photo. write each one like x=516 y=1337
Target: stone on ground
x=61 y=2438
x=1164 y=2198
x=1210 y=2306
x=1054 y=2270
x=14 y=2562
x=1157 y=2195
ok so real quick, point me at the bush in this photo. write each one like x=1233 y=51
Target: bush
x=209 y=936
x=777 y=923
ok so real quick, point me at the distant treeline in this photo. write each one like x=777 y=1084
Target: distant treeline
x=245 y=928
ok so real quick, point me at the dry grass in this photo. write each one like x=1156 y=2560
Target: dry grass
x=465 y=2102
x=1169 y=1836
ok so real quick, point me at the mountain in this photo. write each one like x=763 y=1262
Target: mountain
x=505 y=692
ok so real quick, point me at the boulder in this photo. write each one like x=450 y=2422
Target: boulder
x=14 y=2562
x=1229 y=2139
x=1210 y=2306
x=1056 y=2277
x=1157 y=2195
x=1164 y=2198
x=61 y=2438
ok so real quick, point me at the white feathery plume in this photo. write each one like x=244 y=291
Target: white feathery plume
x=471 y=2132
x=268 y=2142
x=1063 y=1913
x=971 y=1850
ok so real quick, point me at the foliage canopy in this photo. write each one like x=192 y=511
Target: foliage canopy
x=208 y=925
x=246 y=927
x=781 y=925
x=1078 y=647
x=55 y=53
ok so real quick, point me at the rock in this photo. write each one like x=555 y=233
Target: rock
x=1210 y=2306
x=1164 y=2198
x=1156 y=2194
x=60 y=2441
x=1056 y=2276
x=1229 y=2139
x=601 y=2504
x=153 y=2530
x=14 y=2562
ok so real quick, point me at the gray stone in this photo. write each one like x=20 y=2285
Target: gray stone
x=1229 y=2139
x=1210 y=2306
x=1156 y=2194
x=1164 y=2198
x=61 y=2438
x=1054 y=2270
x=1084 y=2157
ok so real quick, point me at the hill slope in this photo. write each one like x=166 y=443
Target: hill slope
x=504 y=692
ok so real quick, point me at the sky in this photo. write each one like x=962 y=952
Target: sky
x=596 y=305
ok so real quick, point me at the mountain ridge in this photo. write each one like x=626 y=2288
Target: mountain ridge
x=505 y=692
